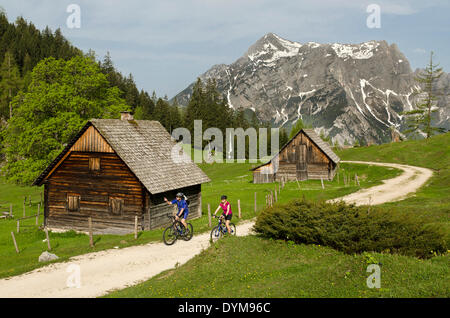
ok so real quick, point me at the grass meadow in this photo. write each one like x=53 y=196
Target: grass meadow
x=234 y=180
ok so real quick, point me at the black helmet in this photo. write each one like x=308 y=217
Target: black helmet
x=179 y=195
x=223 y=197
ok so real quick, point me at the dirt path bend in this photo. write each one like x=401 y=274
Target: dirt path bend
x=111 y=269
x=394 y=189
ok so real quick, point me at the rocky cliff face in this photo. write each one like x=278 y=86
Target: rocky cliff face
x=347 y=91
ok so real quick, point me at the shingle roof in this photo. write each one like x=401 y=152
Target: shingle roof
x=146 y=148
x=316 y=139
x=322 y=144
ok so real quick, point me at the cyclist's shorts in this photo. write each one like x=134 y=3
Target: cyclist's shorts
x=185 y=215
x=227 y=217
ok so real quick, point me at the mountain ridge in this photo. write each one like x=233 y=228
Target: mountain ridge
x=346 y=91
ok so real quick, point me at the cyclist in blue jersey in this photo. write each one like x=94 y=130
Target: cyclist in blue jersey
x=183 y=209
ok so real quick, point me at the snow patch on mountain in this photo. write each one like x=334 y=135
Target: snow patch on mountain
x=359 y=52
x=363 y=83
x=288 y=49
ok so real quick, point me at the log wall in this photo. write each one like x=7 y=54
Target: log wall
x=159 y=208
x=114 y=180
x=301 y=159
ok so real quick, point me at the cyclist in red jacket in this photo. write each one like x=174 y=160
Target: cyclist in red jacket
x=227 y=213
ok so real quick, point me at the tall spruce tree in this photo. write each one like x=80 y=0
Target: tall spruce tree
x=162 y=113
x=175 y=116
x=283 y=137
x=420 y=119
x=10 y=84
x=299 y=125
x=146 y=106
x=196 y=104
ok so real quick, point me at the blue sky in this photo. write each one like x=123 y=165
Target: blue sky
x=166 y=44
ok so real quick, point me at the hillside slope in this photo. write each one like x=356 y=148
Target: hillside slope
x=433 y=200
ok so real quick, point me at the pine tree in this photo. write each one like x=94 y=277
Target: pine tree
x=296 y=128
x=10 y=84
x=195 y=106
x=146 y=106
x=154 y=97
x=162 y=113
x=175 y=116
x=131 y=92
x=283 y=137
x=27 y=64
x=419 y=119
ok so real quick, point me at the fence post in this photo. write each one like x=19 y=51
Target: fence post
x=48 y=239
x=15 y=243
x=30 y=199
x=135 y=227
x=321 y=180
x=209 y=215
x=356 y=179
x=18 y=226
x=276 y=195
x=91 y=239
x=255 y=201
x=38 y=213
x=239 y=208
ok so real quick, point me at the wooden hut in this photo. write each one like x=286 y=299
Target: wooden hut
x=305 y=156
x=114 y=170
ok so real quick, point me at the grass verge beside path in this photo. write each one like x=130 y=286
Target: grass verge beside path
x=256 y=267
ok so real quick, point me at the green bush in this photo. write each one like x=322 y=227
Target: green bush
x=351 y=229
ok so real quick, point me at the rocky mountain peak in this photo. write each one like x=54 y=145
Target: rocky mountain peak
x=346 y=91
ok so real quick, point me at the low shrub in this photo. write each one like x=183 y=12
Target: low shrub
x=351 y=229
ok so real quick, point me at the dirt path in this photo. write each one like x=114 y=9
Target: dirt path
x=107 y=270
x=394 y=189
x=103 y=271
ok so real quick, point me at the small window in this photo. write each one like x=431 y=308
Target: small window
x=116 y=206
x=94 y=164
x=73 y=203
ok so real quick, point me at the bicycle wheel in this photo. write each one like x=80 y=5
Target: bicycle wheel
x=233 y=229
x=216 y=234
x=169 y=236
x=190 y=232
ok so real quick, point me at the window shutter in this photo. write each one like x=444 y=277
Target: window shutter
x=94 y=164
x=116 y=205
x=73 y=203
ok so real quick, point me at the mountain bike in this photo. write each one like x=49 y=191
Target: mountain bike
x=221 y=229
x=177 y=230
